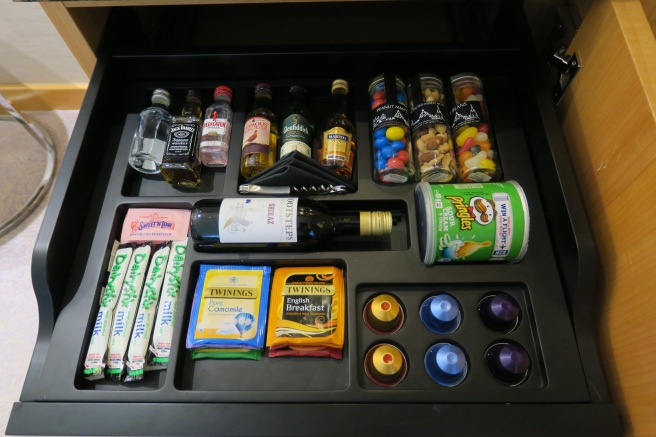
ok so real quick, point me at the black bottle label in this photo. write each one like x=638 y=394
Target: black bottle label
x=182 y=139
x=390 y=114
x=466 y=114
x=427 y=114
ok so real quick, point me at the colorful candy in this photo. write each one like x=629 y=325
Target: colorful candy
x=476 y=155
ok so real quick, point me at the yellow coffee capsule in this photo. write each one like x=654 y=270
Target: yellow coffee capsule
x=385 y=365
x=383 y=314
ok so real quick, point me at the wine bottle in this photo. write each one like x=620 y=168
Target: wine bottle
x=278 y=223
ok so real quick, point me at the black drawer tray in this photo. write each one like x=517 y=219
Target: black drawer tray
x=554 y=283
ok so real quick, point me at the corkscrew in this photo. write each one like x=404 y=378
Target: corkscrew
x=313 y=189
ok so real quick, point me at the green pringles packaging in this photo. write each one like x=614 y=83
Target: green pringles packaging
x=472 y=222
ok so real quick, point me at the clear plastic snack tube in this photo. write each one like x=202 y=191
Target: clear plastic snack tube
x=431 y=137
x=478 y=159
x=390 y=130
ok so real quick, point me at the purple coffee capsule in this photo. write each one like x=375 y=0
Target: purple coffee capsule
x=500 y=312
x=446 y=364
x=508 y=362
x=441 y=313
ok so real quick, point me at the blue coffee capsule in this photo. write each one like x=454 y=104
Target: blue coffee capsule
x=441 y=314
x=508 y=362
x=446 y=364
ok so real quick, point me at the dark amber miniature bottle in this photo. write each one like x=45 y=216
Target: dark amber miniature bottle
x=181 y=165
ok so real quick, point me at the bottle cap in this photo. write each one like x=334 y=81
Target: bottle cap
x=194 y=94
x=263 y=88
x=161 y=97
x=223 y=91
x=297 y=89
x=339 y=84
x=375 y=223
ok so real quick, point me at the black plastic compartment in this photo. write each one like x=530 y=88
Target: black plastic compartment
x=244 y=398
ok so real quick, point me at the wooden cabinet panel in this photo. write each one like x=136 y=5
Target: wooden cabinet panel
x=609 y=122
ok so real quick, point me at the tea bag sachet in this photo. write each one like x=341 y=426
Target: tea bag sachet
x=229 y=311
x=306 y=314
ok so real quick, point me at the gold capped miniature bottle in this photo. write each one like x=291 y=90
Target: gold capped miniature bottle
x=278 y=223
x=259 y=146
x=181 y=165
x=337 y=143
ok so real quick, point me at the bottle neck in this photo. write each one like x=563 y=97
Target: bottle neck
x=192 y=107
x=346 y=223
x=262 y=101
x=364 y=223
x=339 y=103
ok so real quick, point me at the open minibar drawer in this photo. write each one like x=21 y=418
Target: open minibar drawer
x=200 y=47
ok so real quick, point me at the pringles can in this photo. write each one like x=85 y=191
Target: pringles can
x=431 y=137
x=390 y=130
x=472 y=222
x=478 y=160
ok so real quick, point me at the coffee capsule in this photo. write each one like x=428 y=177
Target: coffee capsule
x=385 y=364
x=500 y=312
x=446 y=364
x=508 y=362
x=383 y=314
x=441 y=314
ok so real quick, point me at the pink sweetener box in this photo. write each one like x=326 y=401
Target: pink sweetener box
x=155 y=224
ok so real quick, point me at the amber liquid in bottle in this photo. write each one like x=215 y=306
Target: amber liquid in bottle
x=259 y=146
x=337 y=143
x=181 y=165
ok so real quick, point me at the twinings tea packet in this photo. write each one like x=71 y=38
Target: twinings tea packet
x=307 y=312
x=145 y=319
x=229 y=310
x=160 y=345
x=125 y=312
x=94 y=364
x=156 y=225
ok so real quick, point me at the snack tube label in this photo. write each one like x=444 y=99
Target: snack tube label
x=125 y=311
x=94 y=362
x=144 y=321
x=253 y=220
x=160 y=347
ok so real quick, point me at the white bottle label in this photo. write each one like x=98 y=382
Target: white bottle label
x=256 y=220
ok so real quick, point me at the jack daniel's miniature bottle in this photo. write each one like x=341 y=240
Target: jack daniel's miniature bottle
x=181 y=165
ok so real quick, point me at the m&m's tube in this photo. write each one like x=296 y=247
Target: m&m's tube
x=390 y=127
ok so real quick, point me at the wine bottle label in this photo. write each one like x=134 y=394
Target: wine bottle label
x=182 y=139
x=257 y=136
x=296 y=135
x=336 y=145
x=253 y=220
x=213 y=129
